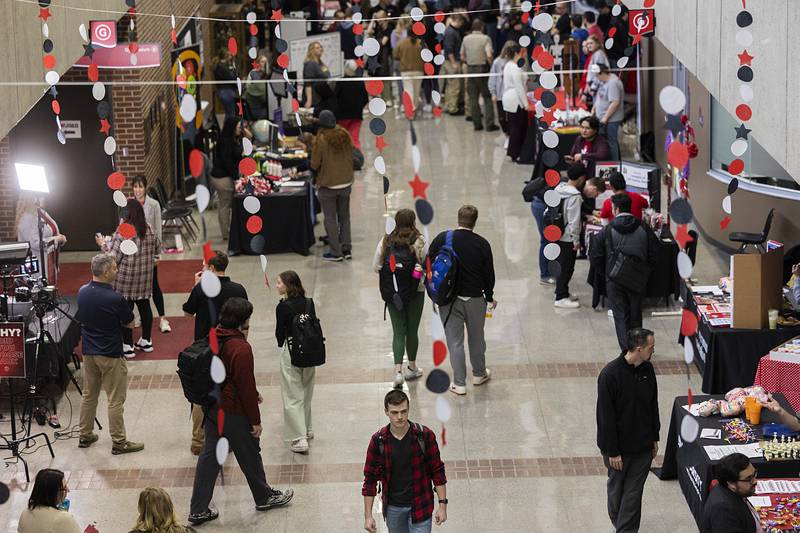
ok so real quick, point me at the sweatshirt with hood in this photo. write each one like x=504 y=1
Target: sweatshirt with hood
x=239 y=393
x=631 y=236
x=572 y=212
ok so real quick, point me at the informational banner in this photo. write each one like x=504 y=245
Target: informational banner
x=148 y=56
x=331 y=55
x=12 y=350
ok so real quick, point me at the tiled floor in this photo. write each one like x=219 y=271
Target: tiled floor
x=520 y=451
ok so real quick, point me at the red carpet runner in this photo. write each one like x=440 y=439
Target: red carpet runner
x=174 y=276
x=166 y=346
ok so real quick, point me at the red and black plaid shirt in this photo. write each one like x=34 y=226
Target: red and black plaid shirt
x=428 y=471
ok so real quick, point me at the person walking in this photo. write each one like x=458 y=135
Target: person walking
x=727 y=509
x=404 y=458
x=297 y=383
x=46 y=512
x=332 y=159
x=628 y=427
x=399 y=33
x=568 y=214
x=408 y=53
x=206 y=315
x=453 y=87
x=407 y=245
x=609 y=107
x=474 y=293
x=477 y=54
x=242 y=424
x=626 y=250
x=103 y=315
x=225 y=72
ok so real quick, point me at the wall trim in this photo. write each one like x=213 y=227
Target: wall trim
x=751 y=186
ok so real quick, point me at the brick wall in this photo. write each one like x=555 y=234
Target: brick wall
x=8 y=194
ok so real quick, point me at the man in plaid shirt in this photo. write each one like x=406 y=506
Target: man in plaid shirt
x=404 y=458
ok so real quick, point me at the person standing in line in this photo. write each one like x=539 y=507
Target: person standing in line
x=152 y=214
x=297 y=384
x=404 y=239
x=332 y=159
x=570 y=241
x=454 y=87
x=727 y=509
x=609 y=107
x=515 y=101
x=242 y=424
x=404 y=458
x=628 y=427
x=496 y=87
x=46 y=512
x=474 y=293
x=619 y=186
x=103 y=315
x=197 y=305
x=227 y=155
x=477 y=54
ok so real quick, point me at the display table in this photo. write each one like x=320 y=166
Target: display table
x=533 y=147
x=781 y=514
x=690 y=464
x=780 y=376
x=288 y=222
x=728 y=357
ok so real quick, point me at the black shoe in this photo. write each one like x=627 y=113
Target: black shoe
x=478 y=128
x=492 y=127
x=348 y=254
x=459 y=113
x=469 y=119
x=201 y=518
x=276 y=499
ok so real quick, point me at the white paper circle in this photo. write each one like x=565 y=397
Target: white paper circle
x=128 y=247
x=609 y=43
x=209 y=283
x=134 y=59
x=278 y=30
x=426 y=55
x=443 y=409
x=252 y=52
x=524 y=41
x=358 y=50
x=543 y=22
x=551 y=251
x=119 y=198
x=550 y=139
x=109 y=145
x=552 y=198
x=82 y=31
x=436 y=97
x=45 y=29
x=537 y=69
x=252 y=205
x=371 y=46
x=738 y=147
x=548 y=80
x=222 y=450
x=51 y=77
x=616 y=10
x=390 y=225
x=689 y=428
x=526 y=6
x=217 y=370
x=746 y=92
x=438 y=60
x=188 y=107
x=439 y=27
x=247 y=146
x=672 y=100
x=688 y=351
x=263 y=259
x=436 y=327
x=61 y=137
x=744 y=37
x=684 y=265
x=238 y=86
x=377 y=106
x=726 y=205
x=416 y=157
x=622 y=62
x=251 y=18
x=357 y=18
x=98 y=90
x=380 y=165
x=202 y=196
x=416 y=14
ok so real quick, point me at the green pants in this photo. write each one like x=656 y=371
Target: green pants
x=405 y=324
x=297 y=389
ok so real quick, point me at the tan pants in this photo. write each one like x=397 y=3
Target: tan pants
x=225 y=189
x=297 y=390
x=198 y=435
x=111 y=374
x=454 y=89
x=413 y=86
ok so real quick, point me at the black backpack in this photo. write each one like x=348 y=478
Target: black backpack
x=554 y=216
x=306 y=342
x=194 y=371
x=398 y=294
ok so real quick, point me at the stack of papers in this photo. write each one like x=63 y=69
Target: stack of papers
x=760 y=501
x=777 y=486
x=715 y=453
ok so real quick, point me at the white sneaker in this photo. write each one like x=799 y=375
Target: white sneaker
x=127 y=351
x=610 y=313
x=480 y=380
x=505 y=144
x=299 y=446
x=566 y=303
x=459 y=390
x=398 y=381
x=144 y=345
x=164 y=326
x=411 y=375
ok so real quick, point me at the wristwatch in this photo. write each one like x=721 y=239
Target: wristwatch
x=444 y=501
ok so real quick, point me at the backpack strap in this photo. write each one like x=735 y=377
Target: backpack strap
x=420 y=437
x=448 y=239
x=308 y=306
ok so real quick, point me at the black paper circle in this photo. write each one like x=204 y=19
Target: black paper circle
x=47 y=46
x=377 y=126
x=385 y=185
x=629 y=51
x=550 y=158
x=733 y=185
x=424 y=211
x=413 y=133
x=4 y=492
x=548 y=99
x=521 y=63
x=131 y=3
x=281 y=46
x=397 y=301
x=554 y=267
x=103 y=109
x=257 y=244
x=681 y=211
x=745 y=74
x=44 y=3
x=744 y=19
x=438 y=381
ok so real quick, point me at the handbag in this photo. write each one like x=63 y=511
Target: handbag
x=627 y=271
x=532 y=188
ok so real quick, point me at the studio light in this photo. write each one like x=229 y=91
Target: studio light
x=32 y=178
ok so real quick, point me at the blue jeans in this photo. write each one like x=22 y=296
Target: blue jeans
x=228 y=99
x=612 y=132
x=398 y=520
x=537 y=208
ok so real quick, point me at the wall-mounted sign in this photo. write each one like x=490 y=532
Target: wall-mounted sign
x=71 y=129
x=103 y=33
x=148 y=56
x=641 y=21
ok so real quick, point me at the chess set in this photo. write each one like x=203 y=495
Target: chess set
x=780 y=448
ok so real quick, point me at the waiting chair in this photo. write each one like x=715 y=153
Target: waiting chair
x=756 y=240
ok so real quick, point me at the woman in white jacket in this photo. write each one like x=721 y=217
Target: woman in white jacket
x=515 y=100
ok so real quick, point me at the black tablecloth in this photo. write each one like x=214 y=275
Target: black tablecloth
x=728 y=357
x=66 y=334
x=689 y=463
x=288 y=222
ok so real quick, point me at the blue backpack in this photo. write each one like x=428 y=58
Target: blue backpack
x=441 y=286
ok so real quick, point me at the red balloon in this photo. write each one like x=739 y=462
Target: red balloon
x=56 y=107
x=232 y=46
x=116 y=180
x=744 y=112
x=254 y=224
x=196 y=162
x=418 y=28
x=546 y=60
x=283 y=60
x=678 y=154
x=552 y=177
x=374 y=87
x=49 y=61
x=552 y=233
x=127 y=230
x=247 y=166
x=736 y=166
x=428 y=68
x=688 y=324
x=439 y=352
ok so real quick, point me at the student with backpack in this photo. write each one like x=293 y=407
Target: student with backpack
x=398 y=261
x=299 y=333
x=567 y=217
x=460 y=281
x=239 y=399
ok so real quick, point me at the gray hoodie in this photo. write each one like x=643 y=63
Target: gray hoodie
x=572 y=212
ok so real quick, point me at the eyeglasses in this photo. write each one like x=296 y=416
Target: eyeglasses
x=749 y=479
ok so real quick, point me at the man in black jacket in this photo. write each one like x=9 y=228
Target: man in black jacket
x=727 y=509
x=625 y=237
x=628 y=427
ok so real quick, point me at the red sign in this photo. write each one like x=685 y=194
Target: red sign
x=12 y=350
x=641 y=21
x=147 y=56
x=103 y=33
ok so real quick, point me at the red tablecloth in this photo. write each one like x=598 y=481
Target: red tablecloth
x=780 y=376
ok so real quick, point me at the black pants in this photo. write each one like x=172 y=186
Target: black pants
x=245 y=448
x=627 y=308
x=517 y=128
x=478 y=88
x=566 y=259
x=158 y=296
x=502 y=116
x=146 y=315
x=625 y=488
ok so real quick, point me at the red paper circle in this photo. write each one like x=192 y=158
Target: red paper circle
x=439 y=352
x=546 y=60
x=196 y=162
x=127 y=230
x=253 y=29
x=736 y=166
x=374 y=87
x=677 y=154
x=439 y=16
x=418 y=28
x=93 y=73
x=49 y=61
x=56 y=107
x=744 y=112
x=295 y=105
x=552 y=177
x=428 y=68
x=392 y=263
x=437 y=111
x=254 y=224
x=283 y=60
x=247 y=166
x=232 y=46
x=688 y=324
x=133 y=47
x=438 y=48
x=612 y=31
x=538 y=92
x=358 y=29
x=525 y=17
x=538 y=49
x=408 y=105
x=649 y=3
x=552 y=233
x=116 y=180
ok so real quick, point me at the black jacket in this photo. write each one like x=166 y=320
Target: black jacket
x=285 y=313
x=636 y=239
x=725 y=512
x=207 y=315
x=351 y=97
x=475 y=263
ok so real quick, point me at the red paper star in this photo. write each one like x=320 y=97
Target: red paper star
x=277 y=14
x=636 y=39
x=380 y=144
x=745 y=58
x=723 y=224
x=105 y=126
x=418 y=187
x=360 y=63
x=174 y=36
x=44 y=13
x=682 y=236
x=548 y=115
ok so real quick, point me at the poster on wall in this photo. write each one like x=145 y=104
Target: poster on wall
x=332 y=55
x=12 y=350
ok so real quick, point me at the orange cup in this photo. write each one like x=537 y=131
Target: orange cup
x=755 y=414
x=749 y=401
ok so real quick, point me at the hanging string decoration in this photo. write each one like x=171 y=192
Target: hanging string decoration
x=51 y=75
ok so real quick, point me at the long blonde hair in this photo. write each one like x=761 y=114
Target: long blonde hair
x=26 y=203
x=310 y=55
x=156 y=513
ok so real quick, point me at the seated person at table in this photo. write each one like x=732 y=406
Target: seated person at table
x=727 y=509
x=618 y=186
x=796 y=286
x=590 y=146
x=788 y=419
